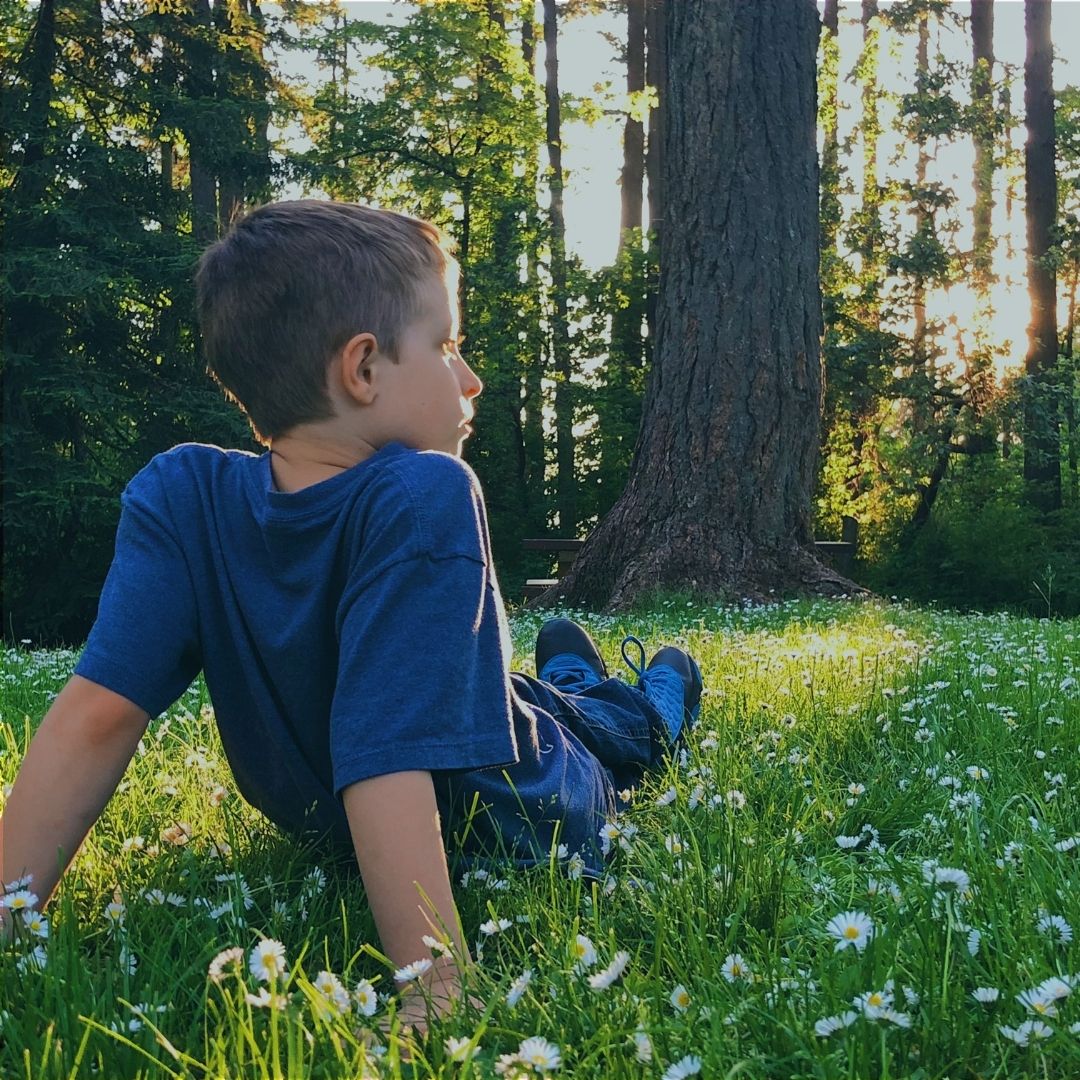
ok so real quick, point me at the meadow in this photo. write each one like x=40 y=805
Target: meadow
x=864 y=864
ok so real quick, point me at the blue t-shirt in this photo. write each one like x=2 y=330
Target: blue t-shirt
x=348 y=630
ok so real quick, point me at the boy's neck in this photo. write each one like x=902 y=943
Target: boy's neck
x=299 y=460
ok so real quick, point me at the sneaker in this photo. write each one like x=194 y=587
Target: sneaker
x=566 y=657
x=672 y=682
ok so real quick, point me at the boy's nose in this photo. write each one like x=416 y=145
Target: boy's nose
x=471 y=385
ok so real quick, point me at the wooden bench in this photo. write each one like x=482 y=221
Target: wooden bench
x=839 y=554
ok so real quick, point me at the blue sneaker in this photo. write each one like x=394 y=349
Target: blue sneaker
x=672 y=683
x=567 y=658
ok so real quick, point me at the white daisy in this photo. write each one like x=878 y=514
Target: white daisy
x=114 y=912
x=680 y=998
x=541 y=1055
x=495 y=926
x=233 y=957
x=829 y=1025
x=459 y=1049
x=331 y=988
x=1055 y=928
x=684 y=1067
x=603 y=979
x=852 y=928
x=35 y=960
x=643 y=1050
x=365 y=998
x=873 y=1001
x=734 y=967
x=584 y=953
x=36 y=923
x=412 y=971
x=986 y=995
x=267 y=960
x=518 y=987
x=19 y=900
x=1037 y=1003
x=846 y=843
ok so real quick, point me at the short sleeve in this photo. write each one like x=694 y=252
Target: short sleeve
x=424 y=647
x=144 y=643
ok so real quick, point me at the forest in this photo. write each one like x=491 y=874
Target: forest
x=946 y=241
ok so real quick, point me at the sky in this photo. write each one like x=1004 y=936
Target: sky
x=592 y=155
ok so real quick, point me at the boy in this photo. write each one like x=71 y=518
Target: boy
x=339 y=595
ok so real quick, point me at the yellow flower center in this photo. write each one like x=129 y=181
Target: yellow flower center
x=851 y=932
x=875 y=1000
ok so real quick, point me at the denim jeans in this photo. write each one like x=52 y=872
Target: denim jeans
x=577 y=747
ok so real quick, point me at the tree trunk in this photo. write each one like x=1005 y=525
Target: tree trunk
x=533 y=403
x=719 y=496
x=633 y=170
x=982 y=99
x=655 y=76
x=831 y=212
x=1042 y=448
x=566 y=494
x=199 y=131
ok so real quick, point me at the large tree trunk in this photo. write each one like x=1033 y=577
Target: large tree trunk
x=831 y=212
x=566 y=484
x=633 y=170
x=533 y=403
x=982 y=99
x=200 y=130
x=719 y=496
x=1042 y=448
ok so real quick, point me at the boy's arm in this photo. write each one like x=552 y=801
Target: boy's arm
x=73 y=765
x=394 y=821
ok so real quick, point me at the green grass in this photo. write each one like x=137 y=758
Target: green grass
x=735 y=853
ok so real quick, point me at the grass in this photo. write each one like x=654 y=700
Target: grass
x=936 y=742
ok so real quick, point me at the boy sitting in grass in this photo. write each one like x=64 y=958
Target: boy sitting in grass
x=339 y=595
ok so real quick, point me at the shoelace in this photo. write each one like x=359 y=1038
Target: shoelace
x=639 y=668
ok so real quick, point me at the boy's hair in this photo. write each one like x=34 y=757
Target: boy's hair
x=290 y=283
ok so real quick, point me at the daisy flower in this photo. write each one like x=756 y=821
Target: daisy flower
x=684 y=1067
x=584 y=953
x=495 y=926
x=35 y=960
x=518 y=987
x=735 y=799
x=36 y=923
x=680 y=998
x=329 y=985
x=459 y=1049
x=873 y=1002
x=19 y=883
x=265 y=1000
x=233 y=957
x=734 y=967
x=667 y=797
x=846 y=843
x=412 y=971
x=1055 y=928
x=1037 y=1003
x=541 y=1055
x=829 y=1025
x=986 y=995
x=114 y=912
x=852 y=928
x=19 y=900
x=603 y=979
x=366 y=1001
x=642 y=1046
x=267 y=960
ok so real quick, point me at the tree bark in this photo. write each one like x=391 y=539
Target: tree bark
x=719 y=495
x=633 y=170
x=655 y=76
x=566 y=494
x=1042 y=447
x=533 y=403
x=200 y=70
x=982 y=99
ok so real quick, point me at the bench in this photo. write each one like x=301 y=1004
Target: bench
x=840 y=554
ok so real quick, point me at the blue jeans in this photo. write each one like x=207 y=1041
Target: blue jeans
x=576 y=748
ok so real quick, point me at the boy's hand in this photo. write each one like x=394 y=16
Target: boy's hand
x=394 y=820
x=74 y=763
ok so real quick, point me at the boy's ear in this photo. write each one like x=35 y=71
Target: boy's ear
x=357 y=367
